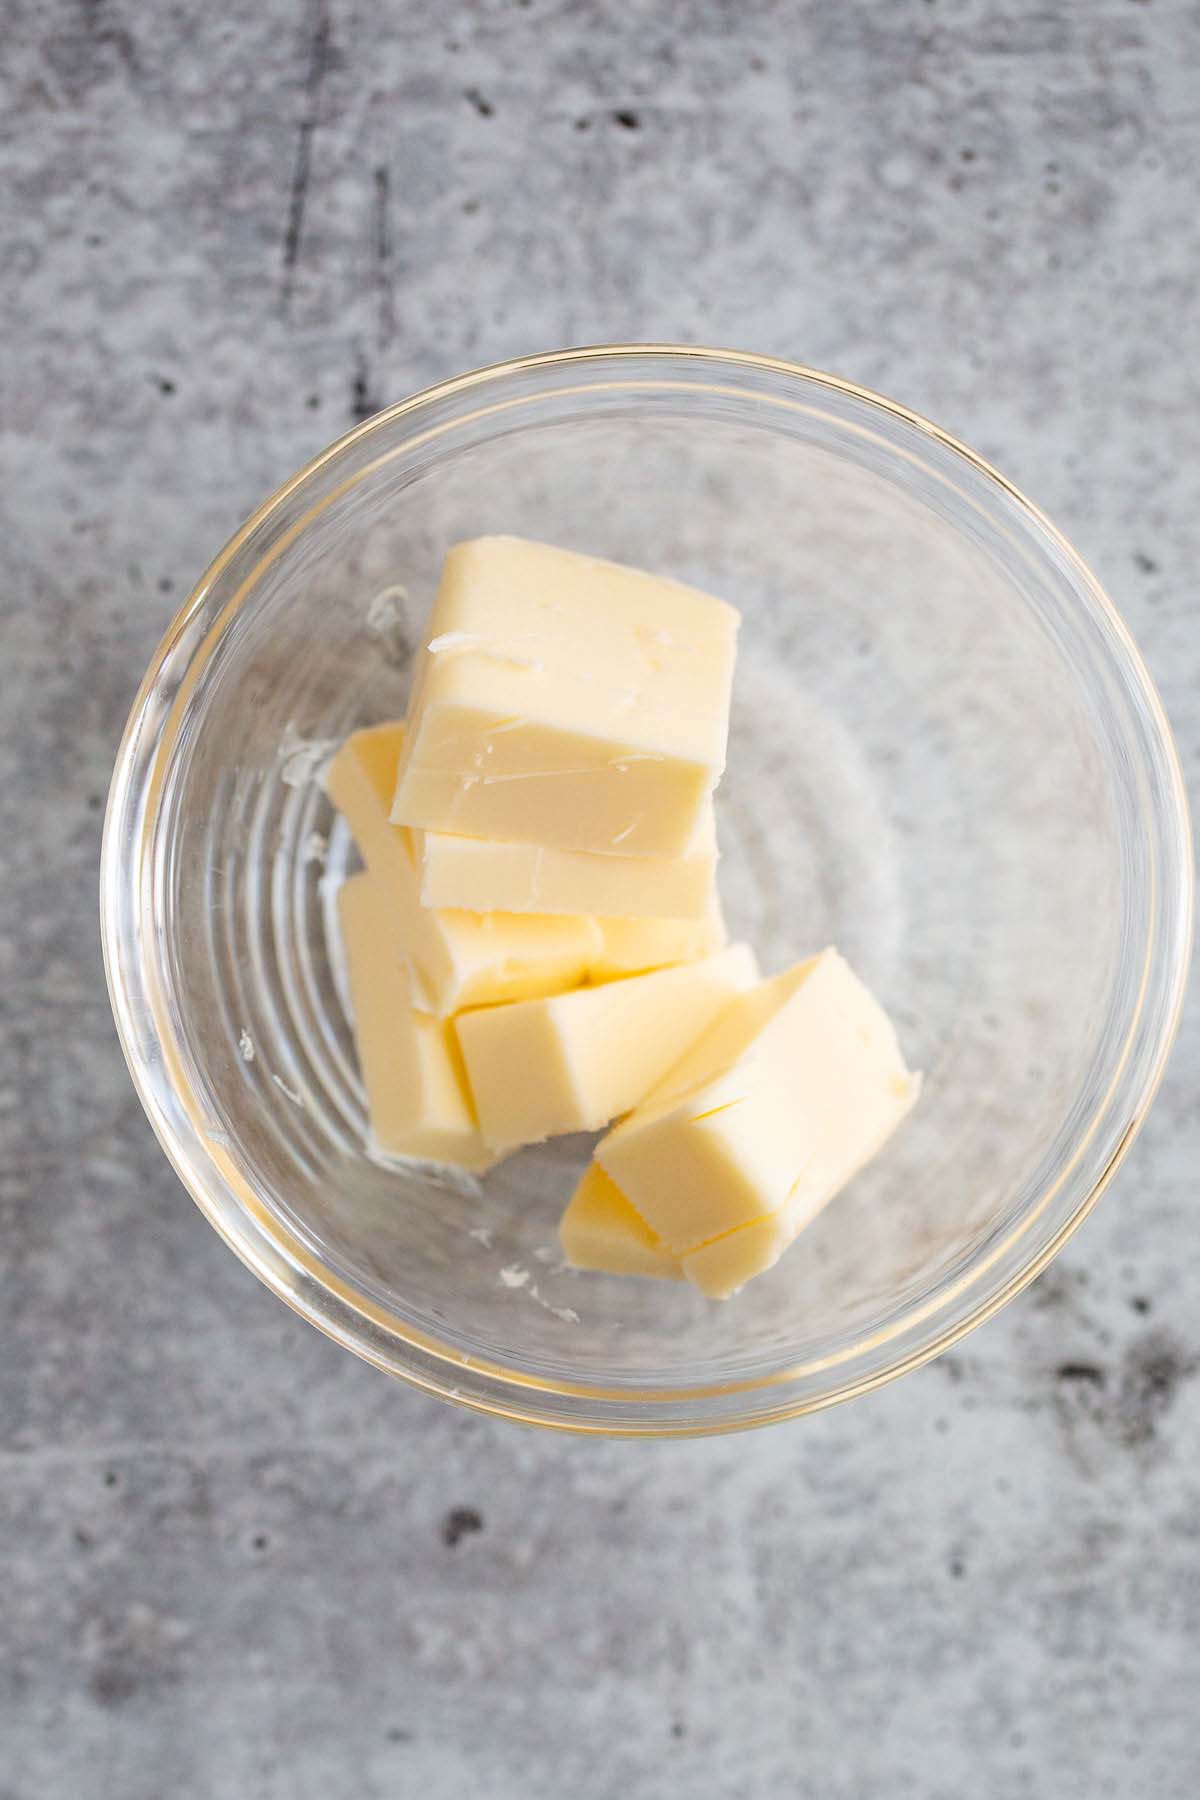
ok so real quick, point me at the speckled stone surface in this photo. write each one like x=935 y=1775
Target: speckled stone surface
x=238 y=1563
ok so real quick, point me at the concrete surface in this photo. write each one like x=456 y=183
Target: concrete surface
x=236 y=1562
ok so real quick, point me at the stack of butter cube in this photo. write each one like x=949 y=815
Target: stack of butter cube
x=535 y=945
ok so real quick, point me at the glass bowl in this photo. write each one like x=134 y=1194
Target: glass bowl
x=946 y=757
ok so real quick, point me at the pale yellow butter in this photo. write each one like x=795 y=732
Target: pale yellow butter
x=483 y=875
x=457 y=958
x=795 y=1086
x=566 y=701
x=417 y=1096
x=628 y=946
x=600 y=1230
x=479 y=959
x=573 y=1062
x=359 y=781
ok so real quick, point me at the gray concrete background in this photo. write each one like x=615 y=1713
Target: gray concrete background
x=235 y=1562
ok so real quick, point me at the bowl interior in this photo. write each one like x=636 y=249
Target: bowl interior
x=928 y=766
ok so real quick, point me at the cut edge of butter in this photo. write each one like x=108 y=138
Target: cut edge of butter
x=601 y=1231
x=486 y=875
x=630 y=946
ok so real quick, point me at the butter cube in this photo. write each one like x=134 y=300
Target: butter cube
x=628 y=946
x=483 y=875
x=572 y=1062
x=457 y=958
x=417 y=1096
x=566 y=701
x=796 y=1085
x=600 y=1230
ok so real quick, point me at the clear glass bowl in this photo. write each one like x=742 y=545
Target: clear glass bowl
x=946 y=757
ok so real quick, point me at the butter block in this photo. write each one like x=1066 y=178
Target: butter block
x=483 y=876
x=573 y=1062
x=417 y=1095
x=566 y=701
x=457 y=958
x=795 y=1086
x=600 y=1230
x=628 y=946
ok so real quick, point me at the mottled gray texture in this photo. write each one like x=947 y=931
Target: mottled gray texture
x=238 y=1562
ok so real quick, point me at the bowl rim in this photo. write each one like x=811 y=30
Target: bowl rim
x=349 y=1307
